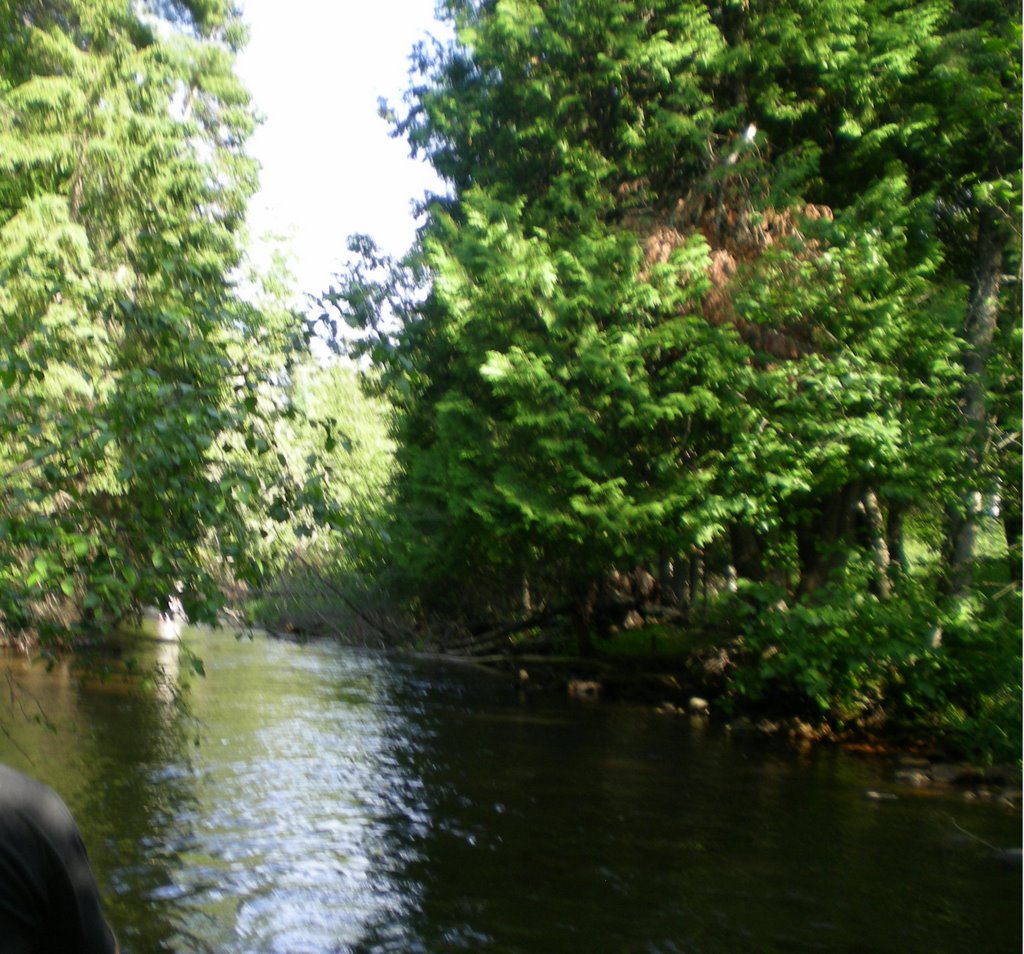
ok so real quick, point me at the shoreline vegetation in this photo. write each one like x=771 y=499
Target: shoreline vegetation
x=675 y=671
x=706 y=357
x=693 y=687
x=675 y=686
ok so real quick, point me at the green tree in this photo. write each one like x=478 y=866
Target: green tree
x=127 y=355
x=971 y=72
x=696 y=294
x=324 y=563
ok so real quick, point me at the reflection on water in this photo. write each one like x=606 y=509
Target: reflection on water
x=281 y=831
x=342 y=801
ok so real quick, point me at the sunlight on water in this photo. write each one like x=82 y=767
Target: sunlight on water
x=288 y=843
x=286 y=829
x=341 y=800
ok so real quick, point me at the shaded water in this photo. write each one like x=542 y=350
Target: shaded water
x=342 y=800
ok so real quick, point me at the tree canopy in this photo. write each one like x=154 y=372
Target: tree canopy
x=132 y=369
x=718 y=291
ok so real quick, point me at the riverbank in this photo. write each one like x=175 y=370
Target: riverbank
x=696 y=686
x=918 y=764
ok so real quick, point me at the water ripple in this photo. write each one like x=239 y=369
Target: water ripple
x=296 y=840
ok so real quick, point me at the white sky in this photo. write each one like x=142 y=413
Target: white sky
x=315 y=69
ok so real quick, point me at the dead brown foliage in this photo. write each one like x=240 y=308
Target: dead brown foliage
x=738 y=237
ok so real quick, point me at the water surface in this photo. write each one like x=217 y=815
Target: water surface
x=343 y=800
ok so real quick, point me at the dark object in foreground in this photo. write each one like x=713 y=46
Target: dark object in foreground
x=48 y=896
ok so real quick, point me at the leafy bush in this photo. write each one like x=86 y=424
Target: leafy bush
x=950 y=671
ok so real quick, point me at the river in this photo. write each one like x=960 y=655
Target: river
x=320 y=798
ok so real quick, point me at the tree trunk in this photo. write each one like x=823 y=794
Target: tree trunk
x=584 y=599
x=747 y=554
x=691 y=604
x=679 y=581
x=1012 y=526
x=822 y=541
x=665 y=579
x=894 y=536
x=879 y=545
x=1010 y=500
x=750 y=555
x=979 y=330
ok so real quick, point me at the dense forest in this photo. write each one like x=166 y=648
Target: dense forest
x=142 y=391
x=712 y=342
x=717 y=327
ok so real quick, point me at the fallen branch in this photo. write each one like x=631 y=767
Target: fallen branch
x=380 y=627
x=499 y=635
